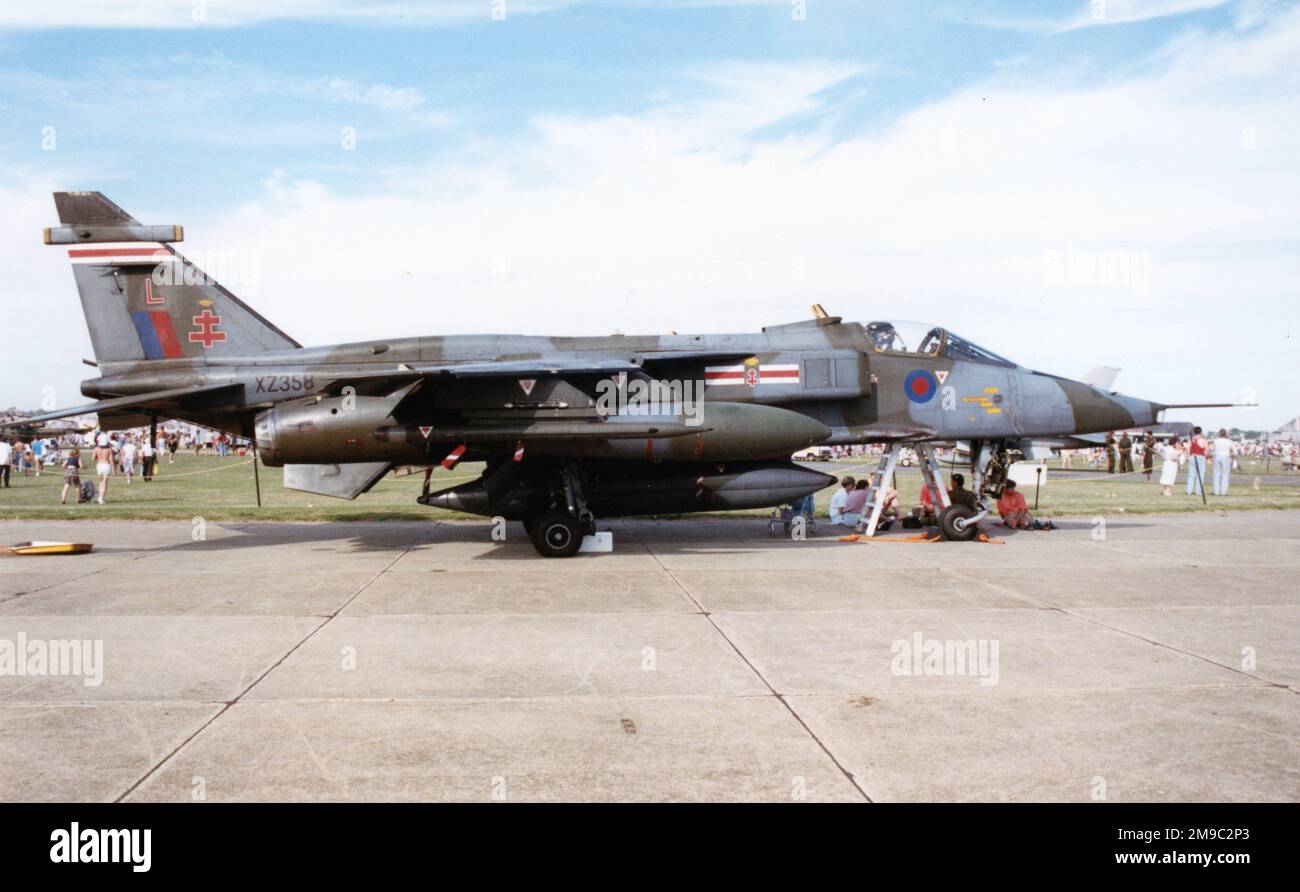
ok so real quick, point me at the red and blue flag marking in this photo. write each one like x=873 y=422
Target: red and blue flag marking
x=157 y=336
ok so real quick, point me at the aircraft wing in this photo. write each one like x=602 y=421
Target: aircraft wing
x=338 y=481
x=1038 y=448
x=540 y=368
x=1079 y=441
x=385 y=380
x=716 y=356
x=526 y=368
x=161 y=401
x=511 y=368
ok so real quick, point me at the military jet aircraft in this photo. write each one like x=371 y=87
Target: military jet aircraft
x=26 y=432
x=571 y=428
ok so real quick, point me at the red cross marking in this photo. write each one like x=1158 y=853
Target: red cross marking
x=209 y=334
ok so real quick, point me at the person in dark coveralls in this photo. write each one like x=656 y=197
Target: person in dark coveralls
x=958 y=495
x=1125 y=454
x=1110 y=453
x=1148 y=454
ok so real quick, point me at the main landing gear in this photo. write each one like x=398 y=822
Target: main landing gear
x=555 y=534
x=557 y=530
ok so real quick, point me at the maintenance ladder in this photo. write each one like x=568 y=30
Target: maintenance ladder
x=882 y=478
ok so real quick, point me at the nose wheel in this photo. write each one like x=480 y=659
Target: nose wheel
x=960 y=523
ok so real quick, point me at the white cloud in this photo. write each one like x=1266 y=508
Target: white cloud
x=379 y=95
x=233 y=13
x=407 y=102
x=33 y=14
x=1122 y=12
x=677 y=218
x=233 y=102
x=1097 y=13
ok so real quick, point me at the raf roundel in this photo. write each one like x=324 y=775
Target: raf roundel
x=920 y=386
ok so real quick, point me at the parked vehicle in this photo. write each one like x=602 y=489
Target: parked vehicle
x=814 y=453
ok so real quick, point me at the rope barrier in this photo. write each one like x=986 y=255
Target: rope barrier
x=157 y=477
x=1100 y=476
x=55 y=473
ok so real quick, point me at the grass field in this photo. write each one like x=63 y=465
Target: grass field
x=222 y=489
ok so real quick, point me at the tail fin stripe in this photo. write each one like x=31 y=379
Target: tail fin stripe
x=108 y=254
x=157 y=336
x=148 y=337
x=171 y=344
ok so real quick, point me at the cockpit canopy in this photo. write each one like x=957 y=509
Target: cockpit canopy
x=930 y=340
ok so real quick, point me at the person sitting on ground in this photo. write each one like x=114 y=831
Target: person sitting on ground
x=925 y=512
x=1014 y=509
x=959 y=495
x=853 y=506
x=889 y=510
x=840 y=498
x=926 y=500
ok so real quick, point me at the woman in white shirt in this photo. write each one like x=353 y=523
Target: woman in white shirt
x=840 y=499
x=1169 y=470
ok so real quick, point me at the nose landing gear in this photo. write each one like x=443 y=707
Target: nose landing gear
x=960 y=523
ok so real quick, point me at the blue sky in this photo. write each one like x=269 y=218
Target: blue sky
x=584 y=167
x=180 y=99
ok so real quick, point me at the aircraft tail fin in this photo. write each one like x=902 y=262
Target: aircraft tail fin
x=1103 y=376
x=142 y=299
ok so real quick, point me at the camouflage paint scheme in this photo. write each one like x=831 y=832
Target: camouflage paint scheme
x=865 y=402
x=170 y=342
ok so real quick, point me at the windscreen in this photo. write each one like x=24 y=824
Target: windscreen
x=960 y=348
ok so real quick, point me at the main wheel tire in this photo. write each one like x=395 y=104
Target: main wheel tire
x=954 y=523
x=557 y=534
